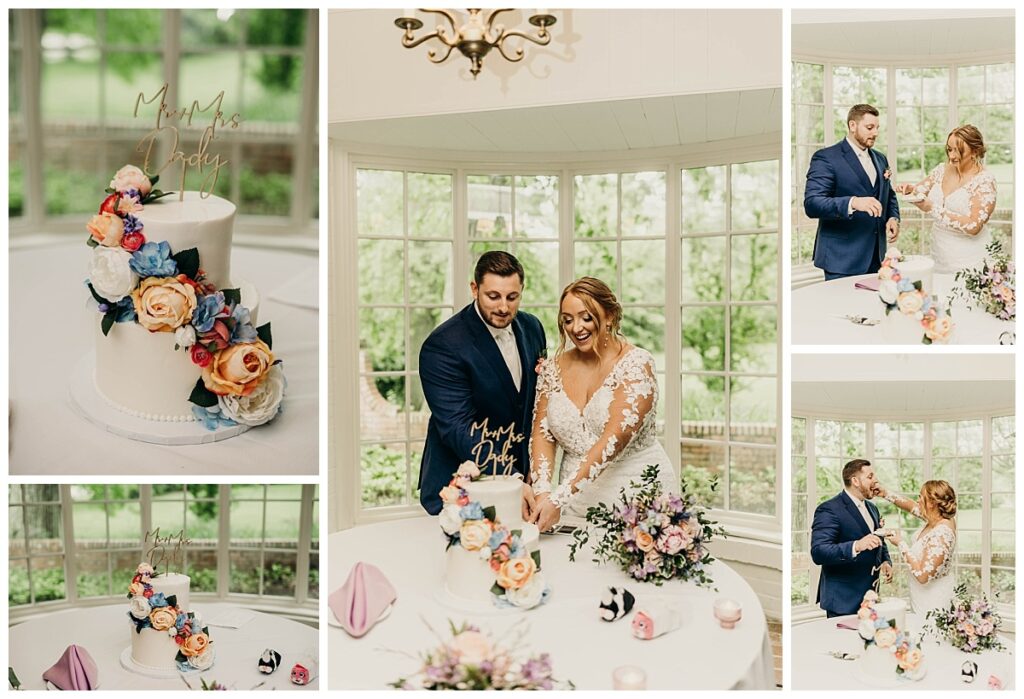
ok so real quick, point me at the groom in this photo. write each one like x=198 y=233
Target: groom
x=477 y=368
x=849 y=192
x=843 y=543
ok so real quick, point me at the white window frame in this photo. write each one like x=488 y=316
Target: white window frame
x=802 y=269
x=263 y=230
x=810 y=610
x=347 y=158
x=301 y=605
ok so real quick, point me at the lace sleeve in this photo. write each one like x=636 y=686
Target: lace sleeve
x=634 y=398
x=925 y=185
x=983 y=202
x=928 y=556
x=542 y=443
x=903 y=503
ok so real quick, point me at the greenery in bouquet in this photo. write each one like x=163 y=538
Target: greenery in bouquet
x=992 y=287
x=471 y=660
x=969 y=624
x=651 y=535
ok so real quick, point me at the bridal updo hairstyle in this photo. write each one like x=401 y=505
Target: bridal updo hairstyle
x=600 y=302
x=971 y=137
x=942 y=497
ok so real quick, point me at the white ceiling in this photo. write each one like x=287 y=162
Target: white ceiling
x=621 y=125
x=878 y=41
x=897 y=385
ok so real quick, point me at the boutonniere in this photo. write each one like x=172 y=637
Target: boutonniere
x=886 y=174
x=540 y=363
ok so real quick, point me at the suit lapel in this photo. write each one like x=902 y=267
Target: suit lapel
x=519 y=332
x=852 y=509
x=854 y=163
x=485 y=344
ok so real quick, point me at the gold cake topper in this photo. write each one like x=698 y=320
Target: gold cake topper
x=169 y=547
x=486 y=450
x=202 y=160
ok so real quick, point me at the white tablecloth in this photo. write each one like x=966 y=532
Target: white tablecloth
x=104 y=631
x=584 y=649
x=817 y=309
x=51 y=328
x=814 y=668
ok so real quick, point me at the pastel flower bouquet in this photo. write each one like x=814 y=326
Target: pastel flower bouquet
x=911 y=300
x=992 y=287
x=876 y=630
x=518 y=581
x=471 y=660
x=165 y=291
x=969 y=624
x=149 y=609
x=651 y=535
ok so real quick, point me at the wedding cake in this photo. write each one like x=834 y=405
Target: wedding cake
x=889 y=649
x=165 y=635
x=912 y=315
x=493 y=557
x=178 y=340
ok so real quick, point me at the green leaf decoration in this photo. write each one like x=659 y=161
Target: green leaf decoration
x=264 y=334
x=489 y=512
x=188 y=262
x=535 y=555
x=180 y=658
x=152 y=182
x=110 y=190
x=109 y=318
x=13 y=678
x=497 y=589
x=516 y=532
x=99 y=299
x=91 y=242
x=918 y=285
x=202 y=396
x=156 y=194
x=232 y=296
x=172 y=601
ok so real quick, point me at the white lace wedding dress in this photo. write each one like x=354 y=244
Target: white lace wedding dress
x=930 y=558
x=959 y=229
x=615 y=435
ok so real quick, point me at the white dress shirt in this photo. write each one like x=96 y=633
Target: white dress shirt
x=506 y=340
x=864 y=156
x=858 y=502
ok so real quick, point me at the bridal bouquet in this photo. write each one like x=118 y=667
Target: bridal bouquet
x=992 y=287
x=653 y=536
x=471 y=660
x=968 y=624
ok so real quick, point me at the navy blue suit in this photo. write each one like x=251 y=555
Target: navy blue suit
x=844 y=577
x=465 y=380
x=847 y=245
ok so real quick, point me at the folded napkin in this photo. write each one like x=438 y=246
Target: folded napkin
x=75 y=670
x=870 y=284
x=359 y=603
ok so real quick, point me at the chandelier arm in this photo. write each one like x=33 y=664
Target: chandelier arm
x=452 y=20
x=410 y=43
x=442 y=59
x=500 y=45
x=489 y=24
x=543 y=37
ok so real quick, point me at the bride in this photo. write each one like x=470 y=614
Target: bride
x=930 y=554
x=597 y=402
x=959 y=195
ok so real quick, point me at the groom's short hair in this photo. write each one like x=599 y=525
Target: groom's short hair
x=498 y=262
x=858 y=111
x=853 y=468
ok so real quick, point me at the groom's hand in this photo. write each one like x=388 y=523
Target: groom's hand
x=892 y=229
x=886 y=571
x=867 y=543
x=868 y=205
x=529 y=502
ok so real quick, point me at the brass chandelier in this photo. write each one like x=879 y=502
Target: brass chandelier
x=475 y=37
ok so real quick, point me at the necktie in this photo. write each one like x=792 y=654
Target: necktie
x=507 y=345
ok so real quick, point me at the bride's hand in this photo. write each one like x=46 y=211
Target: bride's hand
x=529 y=502
x=539 y=502
x=905 y=189
x=548 y=515
x=894 y=537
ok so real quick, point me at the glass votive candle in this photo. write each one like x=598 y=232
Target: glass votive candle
x=728 y=612
x=629 y=677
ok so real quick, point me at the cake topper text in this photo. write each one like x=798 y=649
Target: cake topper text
x=169 y=547
x=171 y=121
x=487 y=452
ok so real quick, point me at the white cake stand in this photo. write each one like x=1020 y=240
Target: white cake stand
x=166 y=673
x=87 y=402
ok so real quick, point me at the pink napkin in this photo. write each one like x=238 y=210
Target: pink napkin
x=870 y=284
x=359 y=603
x=75 y=670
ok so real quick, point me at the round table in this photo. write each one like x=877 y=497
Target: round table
x=815 y=668
x=818 y=310
x=51 y=328
x=584 y=649
x=37 y=644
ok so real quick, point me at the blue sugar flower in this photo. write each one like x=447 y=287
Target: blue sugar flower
x=157 y=600
x=472 y=511
x=243 y=331
x=208 y=309
x=179 y=623
x=496 y=538
x=154 y=260
x=211 y=417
